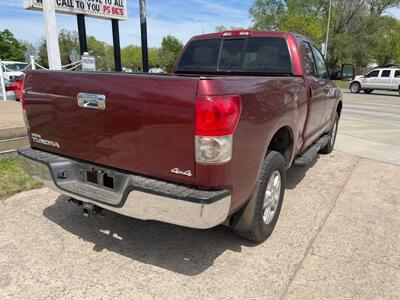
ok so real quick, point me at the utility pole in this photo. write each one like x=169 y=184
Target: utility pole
x=143 y=29
x=53 y=47
x=327 y=30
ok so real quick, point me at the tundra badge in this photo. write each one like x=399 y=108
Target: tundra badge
x=36 y=138
x=179 y=172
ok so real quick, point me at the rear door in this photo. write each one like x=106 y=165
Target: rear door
x=327 y=85
x=396 y=81
x=316 y=90
x=146 y=125
x=385 y=79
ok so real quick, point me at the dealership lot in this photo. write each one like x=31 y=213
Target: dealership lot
x=338 y=235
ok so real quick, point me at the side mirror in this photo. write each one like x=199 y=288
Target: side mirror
x=347 y=72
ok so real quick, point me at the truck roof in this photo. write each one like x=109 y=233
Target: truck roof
x=242 y=32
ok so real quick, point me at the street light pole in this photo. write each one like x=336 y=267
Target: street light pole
x=327 y=29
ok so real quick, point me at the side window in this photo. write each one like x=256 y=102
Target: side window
x=397 y=74
x=386 y=73
x=308 y=59
x=322 y=68
x=373 y=74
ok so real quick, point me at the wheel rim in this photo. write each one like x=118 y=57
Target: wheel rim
x=334 y=132
x=272 y=197
x=354 y=88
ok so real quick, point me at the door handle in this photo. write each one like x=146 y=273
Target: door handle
x=94 y=101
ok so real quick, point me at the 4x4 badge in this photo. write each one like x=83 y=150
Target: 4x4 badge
x=179 y=172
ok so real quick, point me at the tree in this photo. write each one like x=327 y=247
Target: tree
x=10 y=47
x=354 y=34
x=30 y=50
x=68 y=40
x=222 y=28
x=103 y=52
x=170 y=49
x=42 y=54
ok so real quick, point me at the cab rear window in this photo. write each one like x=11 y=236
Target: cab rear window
x=252 y=55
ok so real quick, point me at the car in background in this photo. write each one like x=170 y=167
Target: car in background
x=13 y=69
x=387 y=79
x=18 y=83
x=10 y=91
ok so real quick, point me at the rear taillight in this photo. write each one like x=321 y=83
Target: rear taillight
x=217 y=115
x=10 y=88
x=216 y=121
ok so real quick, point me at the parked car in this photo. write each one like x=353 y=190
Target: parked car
x=13 y=69
x=18 y=84
x=10 y=92
x=207 y=145
x=387 y=79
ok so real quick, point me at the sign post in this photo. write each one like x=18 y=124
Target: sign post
x=53 y=47
x=116 y=10
x=82 y=33
x=143 y=29
x=117 y=45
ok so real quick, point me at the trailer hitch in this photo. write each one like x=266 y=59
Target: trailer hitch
x=89 y=210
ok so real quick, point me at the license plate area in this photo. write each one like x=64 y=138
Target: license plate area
x=99 y=178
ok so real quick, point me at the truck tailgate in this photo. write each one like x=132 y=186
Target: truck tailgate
x=147 y=126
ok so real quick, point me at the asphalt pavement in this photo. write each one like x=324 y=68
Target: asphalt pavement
x=338 y=236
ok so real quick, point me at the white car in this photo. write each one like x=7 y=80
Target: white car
x=378 y=79
x=10 y=93
x=13 y=69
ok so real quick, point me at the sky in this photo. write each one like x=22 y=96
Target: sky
x=181 y=18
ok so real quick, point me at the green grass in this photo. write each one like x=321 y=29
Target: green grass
x=13 y=179
x=342 y=84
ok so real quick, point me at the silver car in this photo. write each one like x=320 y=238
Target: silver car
x=10 y=94
x=378 y=79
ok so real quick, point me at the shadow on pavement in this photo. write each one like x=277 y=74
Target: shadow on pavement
x=296 y=174
x=178 y=249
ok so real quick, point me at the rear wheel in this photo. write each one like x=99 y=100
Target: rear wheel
x=332 y=134
x=257 y=220
x=368 y=91
x=355 y=87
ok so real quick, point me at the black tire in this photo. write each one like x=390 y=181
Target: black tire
x=332 y=134
x=355 y=87
x=368 y=91
x=249 y=222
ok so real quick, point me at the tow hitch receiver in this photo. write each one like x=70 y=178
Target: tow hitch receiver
x=89 y=210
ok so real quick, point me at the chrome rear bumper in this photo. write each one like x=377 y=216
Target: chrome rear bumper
x=134 y=196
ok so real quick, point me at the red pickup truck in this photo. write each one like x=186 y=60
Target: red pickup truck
x=207 y=145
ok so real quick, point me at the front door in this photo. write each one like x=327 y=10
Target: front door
x=316 y=90
x=371 y=80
